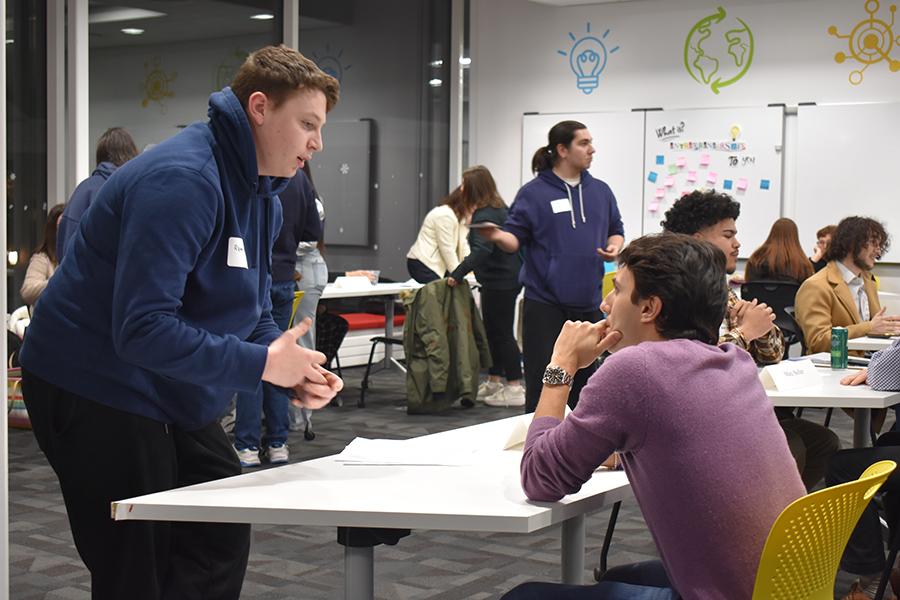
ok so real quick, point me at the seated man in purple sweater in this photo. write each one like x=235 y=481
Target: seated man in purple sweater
x=672 y=407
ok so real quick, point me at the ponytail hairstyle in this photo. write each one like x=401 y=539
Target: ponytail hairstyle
x=547 y=156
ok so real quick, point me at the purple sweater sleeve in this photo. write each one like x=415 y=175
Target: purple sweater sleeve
x=611 y=416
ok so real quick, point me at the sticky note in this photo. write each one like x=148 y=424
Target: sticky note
x=660 y=159
x=660 y=192
x=742 y=184
x=685 y=192
x=727 y=184
x=764 y=184
x=680 y=161
x=670 y=181
x=712 y=177
x=652 y=177
x=691 y=176
x=673 y=169
x=704 y=160
x=654 y=206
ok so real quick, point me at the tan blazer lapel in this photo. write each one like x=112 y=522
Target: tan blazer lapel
x=871 y=294
x=842 y=292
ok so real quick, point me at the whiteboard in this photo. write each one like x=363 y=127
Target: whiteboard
x=733 y=150
x=619 y=145
x=847 y=162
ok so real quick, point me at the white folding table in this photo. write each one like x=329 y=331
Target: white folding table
x=485 y=496
x=831 y=394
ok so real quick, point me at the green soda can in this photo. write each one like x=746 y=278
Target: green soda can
x=839 y=347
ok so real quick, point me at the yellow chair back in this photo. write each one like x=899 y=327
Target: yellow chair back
x=803 y=551
x=608 y=283
x=298 y=296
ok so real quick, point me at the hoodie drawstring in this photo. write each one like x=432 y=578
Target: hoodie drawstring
x=571 y=205
x=581 y=201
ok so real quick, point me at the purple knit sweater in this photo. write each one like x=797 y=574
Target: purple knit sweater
x=706 y=458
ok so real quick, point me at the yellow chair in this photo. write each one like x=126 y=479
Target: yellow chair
x=803 y=551
x=608 y=283
x=298 y=296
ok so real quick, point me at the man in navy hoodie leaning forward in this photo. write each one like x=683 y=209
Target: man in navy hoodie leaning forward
x=159 y=313
x=568 y=223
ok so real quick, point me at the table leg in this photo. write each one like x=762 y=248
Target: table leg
x=388 y=329
x=862 y=425
x=573 y=550
x=359 y=573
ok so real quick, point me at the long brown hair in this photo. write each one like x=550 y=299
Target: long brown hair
x=781 y=254
x=479 y=189
x=48 y=244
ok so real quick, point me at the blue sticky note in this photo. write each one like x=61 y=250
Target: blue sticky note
x=764 y=184
x=660 y=159
x=727 y=184
x=652 y=176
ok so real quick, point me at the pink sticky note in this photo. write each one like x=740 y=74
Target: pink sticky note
x=712 y=177
x=691 y=176
x=670 y=181
x=686 y=192
x=660 y=192
x=654 y=206
x=742 y=184
x=680 y=161
x=704 y=160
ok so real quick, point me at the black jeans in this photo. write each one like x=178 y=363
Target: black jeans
x=541 y=325
x=864 y=554
x=419 y=272
x=101 y=455
x=498 y=307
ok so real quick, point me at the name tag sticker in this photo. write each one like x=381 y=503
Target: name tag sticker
x=560 y=206
x=790 y=375
x=236 y=256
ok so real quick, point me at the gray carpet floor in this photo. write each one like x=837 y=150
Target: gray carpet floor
x=306 y=562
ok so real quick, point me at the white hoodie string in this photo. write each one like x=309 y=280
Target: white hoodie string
x=572 y=206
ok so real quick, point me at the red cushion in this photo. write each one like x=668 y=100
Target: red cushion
x=359 y=321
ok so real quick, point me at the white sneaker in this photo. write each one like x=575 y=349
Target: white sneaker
x=277 y=454
x=249 y=457
x=488 y=388
x=509 y=395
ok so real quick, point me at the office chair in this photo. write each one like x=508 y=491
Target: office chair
x=779 y=295
x=803 y=550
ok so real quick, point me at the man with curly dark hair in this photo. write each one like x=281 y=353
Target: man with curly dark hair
x=843 y=294
x=711 y=216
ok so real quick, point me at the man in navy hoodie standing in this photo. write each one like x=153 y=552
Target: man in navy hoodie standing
x=114 y=148
x=159 y=313
x=568 y=223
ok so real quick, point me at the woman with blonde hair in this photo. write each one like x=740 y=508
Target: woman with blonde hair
x=781 y=257
x=441 y=244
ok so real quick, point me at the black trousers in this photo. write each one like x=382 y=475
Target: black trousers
x=864 y=554
x=498 y=307
x=419 y=272
x=811 y=445
x=541 y=324
x=100 y=455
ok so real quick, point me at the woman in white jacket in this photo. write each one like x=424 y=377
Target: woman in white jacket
x=441 y=244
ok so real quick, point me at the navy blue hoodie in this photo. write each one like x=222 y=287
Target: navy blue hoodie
x=79 y=202
x=560 y=228
x=155 y=310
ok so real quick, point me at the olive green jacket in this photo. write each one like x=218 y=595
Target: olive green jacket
x=445 y=346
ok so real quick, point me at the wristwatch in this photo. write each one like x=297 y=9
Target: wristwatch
x=554 y=375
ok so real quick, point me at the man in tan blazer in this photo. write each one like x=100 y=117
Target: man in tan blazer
x=843 y=294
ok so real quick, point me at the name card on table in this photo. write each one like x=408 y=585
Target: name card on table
x=790 y=375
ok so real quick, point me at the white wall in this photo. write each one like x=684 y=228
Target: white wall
x=516 y=67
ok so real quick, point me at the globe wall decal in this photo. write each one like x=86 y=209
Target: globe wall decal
x=718 y=50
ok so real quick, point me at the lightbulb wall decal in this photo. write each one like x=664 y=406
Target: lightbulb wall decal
x=587 y=59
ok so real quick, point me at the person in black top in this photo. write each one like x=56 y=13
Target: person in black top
x=301 y=222
x=498 y=273
x=823 y=238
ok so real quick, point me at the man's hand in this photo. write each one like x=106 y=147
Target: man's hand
x=581 y=342
x=611 y=252
x=818 y=253
x=857 y=378
x=885 y=324
x=288 y=365
x=754 y=318
x=316 y=395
